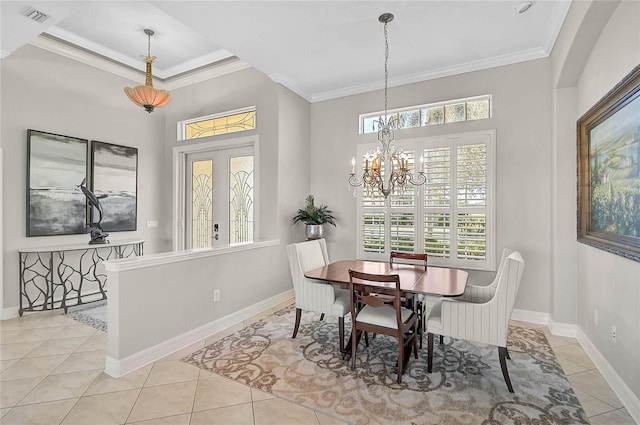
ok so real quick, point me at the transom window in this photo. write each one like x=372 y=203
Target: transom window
x=222 y=123
x=468 y=109
x=451 y=217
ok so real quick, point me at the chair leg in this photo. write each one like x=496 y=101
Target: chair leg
x=502 y=353
x=354 y=345
x=441 y=339
x=321 y=317
x=429 y=351
x=366 y=339
x=341 y=333
x=415 y=347
x=507 y=350
x=297 y=325
x=401 y=348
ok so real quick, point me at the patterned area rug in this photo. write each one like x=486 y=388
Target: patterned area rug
x=94 y=314
x=466 y=386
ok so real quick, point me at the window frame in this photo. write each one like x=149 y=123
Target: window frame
x=181 y=125
x=418 y=145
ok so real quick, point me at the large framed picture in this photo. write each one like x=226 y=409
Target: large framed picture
x=609 y=171
x=114 y=180
x=56 y=166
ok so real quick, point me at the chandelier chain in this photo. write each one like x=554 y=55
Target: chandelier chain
x=386 y=71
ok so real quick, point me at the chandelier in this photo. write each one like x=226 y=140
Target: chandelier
x=146 y=96
x=386 y=169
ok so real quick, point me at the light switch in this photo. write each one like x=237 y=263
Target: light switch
x=152 y=223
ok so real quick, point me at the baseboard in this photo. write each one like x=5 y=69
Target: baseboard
x=10 y=312
x=624 y=393
x=563 y=329
x=120 y=367
x=530 y=316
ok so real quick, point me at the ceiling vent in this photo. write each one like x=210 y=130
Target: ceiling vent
x=35 y=15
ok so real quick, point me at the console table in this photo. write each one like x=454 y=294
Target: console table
x=66 y=275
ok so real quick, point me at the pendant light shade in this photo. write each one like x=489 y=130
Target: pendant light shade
x=146 y=96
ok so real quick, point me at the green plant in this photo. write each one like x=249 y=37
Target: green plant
x=312 y=214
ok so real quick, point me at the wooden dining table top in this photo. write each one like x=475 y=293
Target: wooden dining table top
x=415 y=279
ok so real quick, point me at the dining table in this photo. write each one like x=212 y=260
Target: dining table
x=414 y=279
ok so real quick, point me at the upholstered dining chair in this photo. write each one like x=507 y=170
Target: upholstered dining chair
x=420 y=299
x=312 y=295
x=486 y=322
x=376 y=307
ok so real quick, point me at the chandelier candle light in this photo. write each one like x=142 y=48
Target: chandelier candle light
x=146 y=96
x=386 y=169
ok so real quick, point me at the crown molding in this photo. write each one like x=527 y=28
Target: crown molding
x=122 y=70
x=289 y=83
x=3 y=54
x=556 y=25
x=479 y=65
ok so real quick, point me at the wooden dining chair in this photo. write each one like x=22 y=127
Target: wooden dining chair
x=420 y=299
x=487 y=322
x=316 y=296
x=376 y=307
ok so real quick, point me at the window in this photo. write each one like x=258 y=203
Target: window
x=451 y=217
x=222 y=123
x=471 y=108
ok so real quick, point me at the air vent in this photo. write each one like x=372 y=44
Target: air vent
x=35 y=15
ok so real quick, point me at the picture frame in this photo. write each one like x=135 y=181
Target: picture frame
x=608 y=159
x=114 y=180
x=56 y=167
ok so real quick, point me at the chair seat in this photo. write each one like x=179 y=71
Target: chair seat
x=383 y=316
x=342 y=304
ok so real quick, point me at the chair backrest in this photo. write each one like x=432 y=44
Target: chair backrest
x=310 y=295
x=478 y=293
x=502 y=304
x=375 y=290
x=408 y=256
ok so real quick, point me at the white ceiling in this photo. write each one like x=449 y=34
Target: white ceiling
x=318 y=49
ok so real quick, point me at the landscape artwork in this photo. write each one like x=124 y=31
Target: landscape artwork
x=615 y=172
x=57 y=165
x=608 y=147
x=115 y=183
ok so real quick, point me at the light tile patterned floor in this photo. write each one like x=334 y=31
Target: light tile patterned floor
x=51 y=373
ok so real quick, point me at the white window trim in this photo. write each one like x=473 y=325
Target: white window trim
x=490 y=262
x=179 y=161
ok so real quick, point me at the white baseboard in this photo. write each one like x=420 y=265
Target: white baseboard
x=10 y=312
x=624 y=393
x=120 y=367
x=530 y=316
x=563 y=329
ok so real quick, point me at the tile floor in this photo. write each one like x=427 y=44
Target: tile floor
x=51 y=373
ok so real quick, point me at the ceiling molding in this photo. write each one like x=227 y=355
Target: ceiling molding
x=208 y=73
x=195 y=63
x=479 y=65
x=89 y=58
x=556 y=26
x=3 y=54
x=288 y=83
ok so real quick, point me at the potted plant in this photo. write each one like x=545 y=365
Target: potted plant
x=314 y=217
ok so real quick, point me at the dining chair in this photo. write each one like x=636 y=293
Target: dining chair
x=312 y=295
x=487 y=322
x=420 y=299
x=376 y=306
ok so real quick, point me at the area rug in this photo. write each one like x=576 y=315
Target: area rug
x=94 y=314
x=466 y=386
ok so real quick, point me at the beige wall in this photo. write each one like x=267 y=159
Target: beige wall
x=47 y=92
x=598 y=45
x=607 y=282
x=522 y=119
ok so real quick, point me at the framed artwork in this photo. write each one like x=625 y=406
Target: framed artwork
x=609 y=171
x=114 y=180
x=56 y=166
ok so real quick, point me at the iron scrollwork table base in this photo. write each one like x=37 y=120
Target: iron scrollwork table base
x=68 y=275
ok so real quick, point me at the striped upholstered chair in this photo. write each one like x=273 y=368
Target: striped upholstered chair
x=313 y=295
x=486 y=322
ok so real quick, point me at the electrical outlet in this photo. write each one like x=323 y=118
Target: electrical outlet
x=614 y=333
x=595 y=318
x=216 y=295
